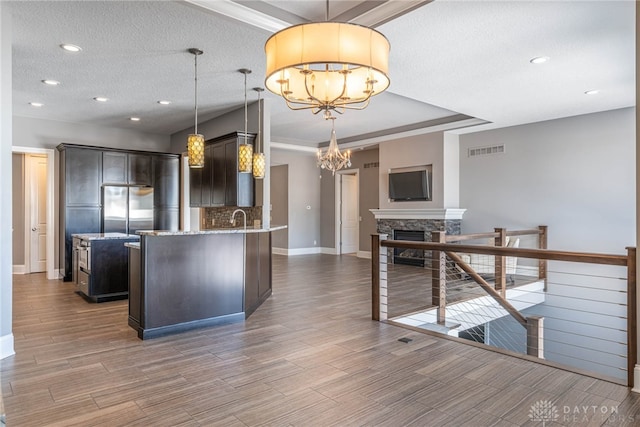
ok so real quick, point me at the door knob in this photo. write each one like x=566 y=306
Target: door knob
x=34 y=229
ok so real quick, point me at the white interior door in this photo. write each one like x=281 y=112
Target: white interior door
x=37 y=182
x=349 y=217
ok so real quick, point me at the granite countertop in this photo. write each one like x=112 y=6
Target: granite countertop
x=105 y=236
x=211 y=231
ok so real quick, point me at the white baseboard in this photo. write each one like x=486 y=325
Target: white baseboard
x=297 y=251
x=19 y=269
x=364 y=254
x=636 y=379
x=59 y=273
x=6 y=346
x=329 y=251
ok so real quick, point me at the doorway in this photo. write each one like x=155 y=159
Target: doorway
x=38 y=212
x=347 y=212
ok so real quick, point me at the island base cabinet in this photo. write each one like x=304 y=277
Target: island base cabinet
x=257 y=271
x=183 y=281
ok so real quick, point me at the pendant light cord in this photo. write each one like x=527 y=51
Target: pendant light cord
x=196 y=92
x=258 y=143
x=245 y=108
x=326 y=16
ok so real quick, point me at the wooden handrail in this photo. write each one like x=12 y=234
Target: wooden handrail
x=551 y=255
x=476 y=236
x=534 y=232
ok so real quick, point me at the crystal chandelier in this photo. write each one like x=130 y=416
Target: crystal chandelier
x=195 y=141
x=327 y=66
x=333 y=159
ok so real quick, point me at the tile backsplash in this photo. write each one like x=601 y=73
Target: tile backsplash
x=219 y=217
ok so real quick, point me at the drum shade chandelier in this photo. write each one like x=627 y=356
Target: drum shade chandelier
x=195 y=141
x=327 y=66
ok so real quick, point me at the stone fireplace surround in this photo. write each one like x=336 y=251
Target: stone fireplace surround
x=426 y=220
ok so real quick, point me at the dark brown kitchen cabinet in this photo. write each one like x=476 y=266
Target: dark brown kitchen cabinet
x=219 y=183
x=114 y=167
x=139 y=169
x=84 y=170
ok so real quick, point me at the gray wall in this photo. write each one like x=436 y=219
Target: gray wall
x=280 y=204
x=368 y=199
x=6 y=309
x=18 y=209
x=576 y=175
x=304 y=190
x=40 y=133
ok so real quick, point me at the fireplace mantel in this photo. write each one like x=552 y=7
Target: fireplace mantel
x=446 y=213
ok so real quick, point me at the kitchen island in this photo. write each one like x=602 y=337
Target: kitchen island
x=182 y=280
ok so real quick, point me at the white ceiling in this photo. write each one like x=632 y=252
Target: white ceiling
x=448 y=58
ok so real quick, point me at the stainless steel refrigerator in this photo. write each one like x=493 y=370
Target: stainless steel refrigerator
x=126 y=209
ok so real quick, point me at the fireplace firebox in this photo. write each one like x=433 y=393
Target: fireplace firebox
x=409 y=256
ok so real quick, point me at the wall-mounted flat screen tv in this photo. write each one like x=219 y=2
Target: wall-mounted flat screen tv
x=409 y=186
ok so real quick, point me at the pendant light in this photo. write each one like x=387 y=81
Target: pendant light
x=195 y=141
x=259 y=162
x=245 y=151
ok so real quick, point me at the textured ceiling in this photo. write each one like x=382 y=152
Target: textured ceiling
x=447 y=57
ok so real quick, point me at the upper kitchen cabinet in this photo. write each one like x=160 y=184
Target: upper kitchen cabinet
x=82 y=169
x=219 y=183
x=126 y=168
x=139 y=169
x=114 y=167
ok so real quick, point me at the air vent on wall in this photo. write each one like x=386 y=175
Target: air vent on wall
x=371 y=165
x=485 y=151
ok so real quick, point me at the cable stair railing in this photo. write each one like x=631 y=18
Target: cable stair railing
x=562 y=316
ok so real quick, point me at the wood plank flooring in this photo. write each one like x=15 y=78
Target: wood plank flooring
x=309 y=356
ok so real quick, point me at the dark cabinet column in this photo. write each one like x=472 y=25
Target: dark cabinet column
x=219 y=182
x=166 y=193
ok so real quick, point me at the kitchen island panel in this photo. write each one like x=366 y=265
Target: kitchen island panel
x=190 y=279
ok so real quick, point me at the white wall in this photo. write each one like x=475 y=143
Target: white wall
x=576 y=175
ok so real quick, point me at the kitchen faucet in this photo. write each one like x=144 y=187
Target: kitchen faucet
x=233 y=216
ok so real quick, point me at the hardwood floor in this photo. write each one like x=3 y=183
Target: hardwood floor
x=309 y=356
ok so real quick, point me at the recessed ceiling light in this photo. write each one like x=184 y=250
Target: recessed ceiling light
x=592 y=92
x=164 y=102
x=36 y=104
x=71 y=47
x=51 y=82
x=134 y=119
x=100 y=99
x=539 y=59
